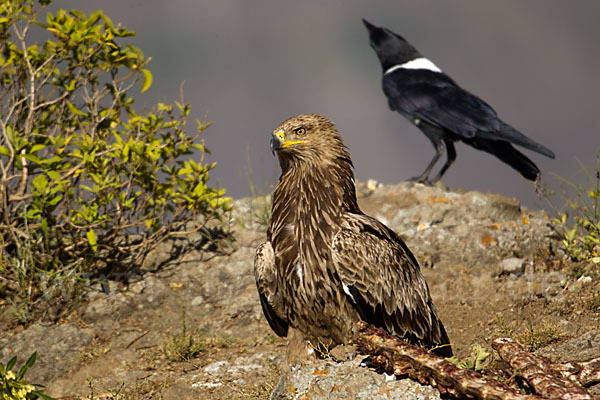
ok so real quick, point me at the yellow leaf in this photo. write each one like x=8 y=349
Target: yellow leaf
x=147 y=80
x=56 y=32
x=496 y=225
x=487 y=240
x=91 y=237
x=433 y=199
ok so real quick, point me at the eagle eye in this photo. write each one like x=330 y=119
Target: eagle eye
x=300 y=131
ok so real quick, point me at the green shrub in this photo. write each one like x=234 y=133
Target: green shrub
x=87 y=182
x=580 y=226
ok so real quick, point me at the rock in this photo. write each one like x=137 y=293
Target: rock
x=158 y=256
x=581 y=348
x=279 y=392
x=503 y=208
x=348 y=380
x=196 y=301
x=364 y=189
x=57 y=348
x=584 y=280
x=343 y=353
x=102 y=305
x=512 y=266
x=216 y=367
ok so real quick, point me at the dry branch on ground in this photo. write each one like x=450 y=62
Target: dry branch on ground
x=546 y=379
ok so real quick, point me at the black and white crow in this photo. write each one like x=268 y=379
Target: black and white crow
x=442 y=110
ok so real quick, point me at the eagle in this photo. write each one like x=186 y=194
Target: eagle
x=325 y=264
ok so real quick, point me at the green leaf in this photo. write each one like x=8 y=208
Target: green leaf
x=42 y=395
x=91 y=237
x=54 y=201
x=37 y=147
x=147 y=80
x=40 y=183
x=11 y=363
x=53 y=175
x=33 y=158
x=570 y=234
x=4 y=151
x=74 y=109
x=44 y=226
x=28 y=364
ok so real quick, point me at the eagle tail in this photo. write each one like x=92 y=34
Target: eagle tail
x=442 y=348
x=433 y=337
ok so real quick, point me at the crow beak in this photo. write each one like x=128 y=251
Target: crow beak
x=369 y=25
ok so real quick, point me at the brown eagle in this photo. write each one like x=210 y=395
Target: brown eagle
x=325 y=264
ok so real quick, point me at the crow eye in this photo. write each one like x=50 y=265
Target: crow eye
x=300 y=131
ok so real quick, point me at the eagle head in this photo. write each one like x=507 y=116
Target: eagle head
x=307 y=137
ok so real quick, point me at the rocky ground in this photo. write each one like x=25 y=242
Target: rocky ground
x=494 y=269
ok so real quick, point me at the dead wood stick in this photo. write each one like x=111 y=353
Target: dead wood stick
x=585 y=373
x=543 y=376
x=400 y=358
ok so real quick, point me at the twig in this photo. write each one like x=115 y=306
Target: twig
x=137 y=338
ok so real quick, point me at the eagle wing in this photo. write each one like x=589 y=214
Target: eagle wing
x=382 y=279
x=265 y=274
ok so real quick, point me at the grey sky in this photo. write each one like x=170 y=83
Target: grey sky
x=248 y=65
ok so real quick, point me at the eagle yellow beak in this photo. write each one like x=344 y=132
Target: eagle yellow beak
x=278 y=141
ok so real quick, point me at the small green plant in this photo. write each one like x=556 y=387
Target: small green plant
x=503 y=328
x=270 y=338
x=476 y=362
x=534 y=336
x=322 y=349
x=262 y=390
x=144 y=388
x=185 y=344
x=260 y=202
x=540 y=335
x=14 y=387
x=94 y=351
x=580 y=226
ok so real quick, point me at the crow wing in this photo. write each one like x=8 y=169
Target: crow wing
x=435 y=98
x=265 y=274
x=382 y=279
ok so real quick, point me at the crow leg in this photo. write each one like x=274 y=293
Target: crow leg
x=451 y=157
x=439 y=149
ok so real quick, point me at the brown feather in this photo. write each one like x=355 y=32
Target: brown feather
x=325 y=264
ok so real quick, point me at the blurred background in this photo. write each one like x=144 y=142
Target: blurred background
x=249 y=65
